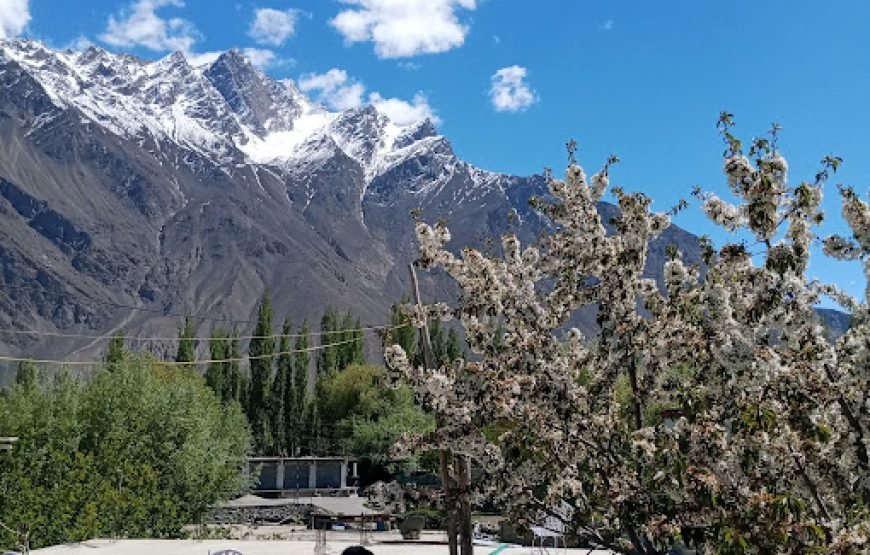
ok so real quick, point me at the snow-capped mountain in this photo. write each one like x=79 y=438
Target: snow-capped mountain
x=192 y=189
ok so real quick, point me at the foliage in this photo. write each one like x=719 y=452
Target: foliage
x=217 y=374
x=261 y=351
x=362 y=416
x=282 y=393
x=186 y=347
x=138 y=451
x=342 y=341
x=714 y=412
x=301 y=364
x=115 y=352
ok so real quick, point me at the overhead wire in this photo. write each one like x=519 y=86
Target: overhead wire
x=310 y=349
x=7 y=331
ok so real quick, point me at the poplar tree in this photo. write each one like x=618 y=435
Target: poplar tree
x=115 y=351
x=283 y=392
x=261 y=352
x=216 y=374
x=328 y=358
x=301 y=363
x=453 y=350
x=186 y=348
x=403 y=333
x=234 y=387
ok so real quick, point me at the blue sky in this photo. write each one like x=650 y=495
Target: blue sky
x=645 y=80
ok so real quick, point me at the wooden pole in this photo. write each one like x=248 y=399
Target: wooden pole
x=445 y=457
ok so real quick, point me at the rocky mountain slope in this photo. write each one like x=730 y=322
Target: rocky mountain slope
x=134 y=191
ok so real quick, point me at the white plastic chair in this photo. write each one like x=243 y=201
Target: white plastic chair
x=552 y=529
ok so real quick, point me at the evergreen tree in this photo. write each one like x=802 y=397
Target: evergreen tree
x=233 y=387
x=439 y=344
x=313 y=440
x=404 y=336
x=283 y=392
x=357 y=352
x=261 y=352
x=216 y=375
x=346 y=349
x=454 y=348
x=115 y=352
x=186 y=347
x=329 y=356
x=301 y=363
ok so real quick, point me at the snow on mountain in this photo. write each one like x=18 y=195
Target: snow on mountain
x=228 y=111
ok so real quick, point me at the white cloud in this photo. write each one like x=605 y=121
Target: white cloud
x=606 y=26
x=509 y=91
x=200 y=59
x=404 y=28
x=409 y=66
x=338 y=91
x=402 y=112
x=79 y=43
x=139 y=25
x=14 y=17
x=264 y=58
x=334 y=89
x=273 y=27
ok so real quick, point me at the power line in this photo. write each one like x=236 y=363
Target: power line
x=192 y=363
x=177 y=338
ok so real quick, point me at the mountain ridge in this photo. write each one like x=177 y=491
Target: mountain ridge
x=182 y=189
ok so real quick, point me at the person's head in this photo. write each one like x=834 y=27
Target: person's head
x=356 y=550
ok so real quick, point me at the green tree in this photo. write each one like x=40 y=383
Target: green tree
x=27 y=375
x=403 y=334
x=364 y=416
x=329 y=356
x=138 y=451
x=115 y=352
x=186 y=347
x=216 y=375
x=234 y=386
x=301 y=364
x=261 y=353
x=454 y=349
x=283 y=393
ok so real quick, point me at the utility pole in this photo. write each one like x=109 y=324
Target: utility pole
x=451 y=465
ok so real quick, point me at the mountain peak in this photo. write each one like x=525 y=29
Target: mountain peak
x=259 y=102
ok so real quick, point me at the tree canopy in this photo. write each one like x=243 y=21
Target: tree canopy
x=712 y=410
x=139 y=450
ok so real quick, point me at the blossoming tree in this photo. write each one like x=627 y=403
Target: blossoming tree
x=714 y=411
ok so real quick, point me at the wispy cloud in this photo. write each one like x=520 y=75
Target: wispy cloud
x=264 y=58
x=401 y=29
x=273 y=27
x=606 y=26
x=409 y=66
x=14 y=17
x=140 y=25
x=338 y=91
x=509 y=91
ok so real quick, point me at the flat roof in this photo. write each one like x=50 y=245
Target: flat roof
x=302 y=459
